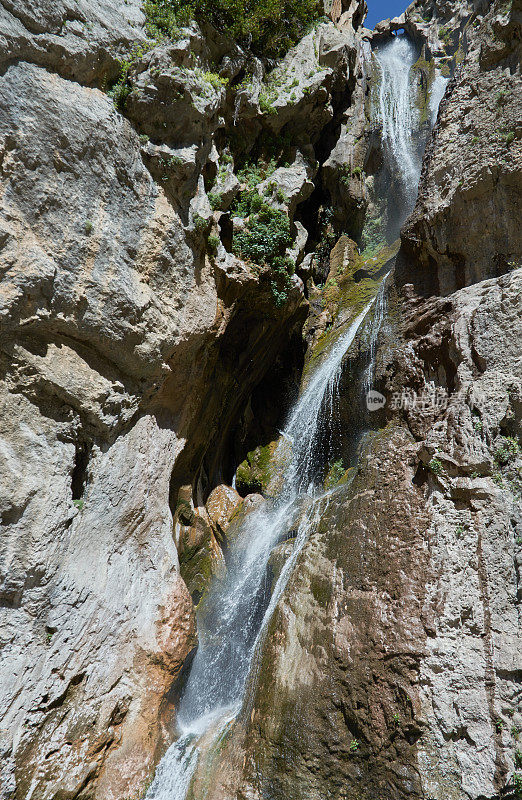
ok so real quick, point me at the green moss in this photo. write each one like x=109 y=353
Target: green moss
x=254 y=473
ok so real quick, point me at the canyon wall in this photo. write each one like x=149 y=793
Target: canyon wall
x=144 y=353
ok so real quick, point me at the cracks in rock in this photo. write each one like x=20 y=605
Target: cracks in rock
x=489 y=678
x=80 y=470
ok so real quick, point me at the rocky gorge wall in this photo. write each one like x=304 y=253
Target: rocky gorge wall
x=141 y=345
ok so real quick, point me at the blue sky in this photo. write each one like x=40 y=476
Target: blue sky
x=383 y=9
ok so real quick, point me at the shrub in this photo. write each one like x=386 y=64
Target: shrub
x=265 y=238
x=264 y=241
x=200 y=223
x=265 y=103
x=268 y=27
x=436 y=466
x=120 y=91
x=215 y=199
x=354 y=746
x=88 y=226
x=79 y=504
x=213 y=243
x=215 y=80
x=507 y=450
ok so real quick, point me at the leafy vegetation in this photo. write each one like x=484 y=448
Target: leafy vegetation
x=507 y=450
x=435 y=466
x=120 y=91
x=334 y=475
x=268 y=27
x=213 y=243
x=264 y=240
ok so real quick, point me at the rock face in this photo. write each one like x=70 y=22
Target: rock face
x=132 y=339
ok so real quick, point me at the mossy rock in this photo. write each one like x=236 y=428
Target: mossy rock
x=197 y=558
x=253 y=474
x=354 y=279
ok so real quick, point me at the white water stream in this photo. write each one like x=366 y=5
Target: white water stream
x=399 y=115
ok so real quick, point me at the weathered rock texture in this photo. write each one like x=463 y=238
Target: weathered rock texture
x=130 y=346
x=137 y=355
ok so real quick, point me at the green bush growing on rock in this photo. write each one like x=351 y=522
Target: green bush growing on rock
x=517 y=784
x=88 y=227
x=507 y=450
x=215 y=80
x=213 y=243
x=268 y=27
x=264 y=241
x=435 y=466
x=265 y=102
x=122 y=88
x=354 y=746
x=215 y=199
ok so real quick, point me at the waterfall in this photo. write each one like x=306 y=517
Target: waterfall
x=397 y=113
x=237 y=608
x=234 y=614
x=406 y=118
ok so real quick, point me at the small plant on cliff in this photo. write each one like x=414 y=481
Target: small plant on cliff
x=518 y=759
x=215 y=80
x=507 y=450
x=334 y=474
x=354 y=746
x=517 y=784
x=88 y=227
x=477 y=424
x=215 y=199
x=122 y=88
x=435 y=466
x=79 y=503
x=213 y=244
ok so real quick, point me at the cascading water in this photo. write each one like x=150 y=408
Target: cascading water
x=238 y=607
x=396 y=113
x=215 y=688
x=399 y=115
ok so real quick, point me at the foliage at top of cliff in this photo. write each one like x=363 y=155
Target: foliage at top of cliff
x=267 y=27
